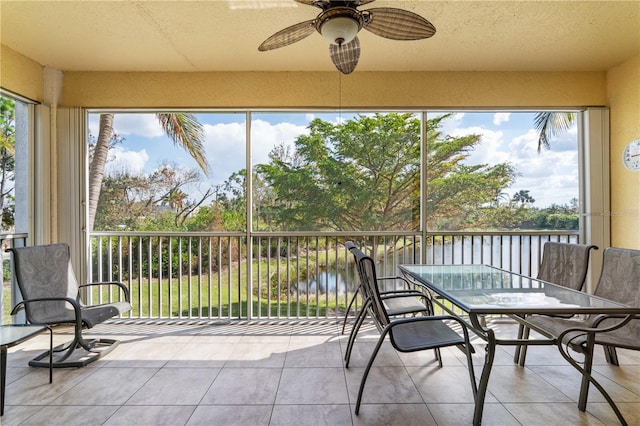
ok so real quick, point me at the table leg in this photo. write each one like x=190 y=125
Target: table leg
x=490 y=352
x=3 y=379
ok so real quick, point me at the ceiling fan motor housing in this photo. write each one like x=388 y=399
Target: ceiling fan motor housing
x=339 y=25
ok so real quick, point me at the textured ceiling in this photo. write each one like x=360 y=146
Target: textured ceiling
x=91 y=35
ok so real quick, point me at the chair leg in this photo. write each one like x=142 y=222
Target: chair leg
x=438 y=356
x=346 y=312
x=366 y=371
x=354 y=332
x=611 y=355
x=516 y=356
x=523 y=348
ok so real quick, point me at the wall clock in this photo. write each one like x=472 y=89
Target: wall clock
x=631 y=156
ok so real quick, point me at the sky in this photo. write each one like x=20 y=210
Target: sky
x=551 y=176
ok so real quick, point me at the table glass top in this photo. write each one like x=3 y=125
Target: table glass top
x=486 y=289
x=10 y=334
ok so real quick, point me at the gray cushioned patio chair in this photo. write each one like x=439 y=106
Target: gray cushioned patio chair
x=51 y=295
x=620 y=282
x=409 y=334
x=399 y=302
x=565 y=264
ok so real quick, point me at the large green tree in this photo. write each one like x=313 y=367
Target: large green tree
x=183 y=128
x=364 y=175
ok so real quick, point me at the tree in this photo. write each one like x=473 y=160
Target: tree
x=142 y=202
x=550 y=124
x=523 y=197
x=7 y=162
x=365 y=175
x=183 y=128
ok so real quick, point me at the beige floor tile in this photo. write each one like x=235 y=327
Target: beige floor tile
x=626 y=375
x=311 y=415
x=35 y=389
x=143 y=354
x=551 y=413
x=444 y=385
x=312 y=386
x=197 y=354
x=269 y=355
x=567 y=379
x=462 y=414
x=107 y=386
x=175 y=386
x=604 y=412
x=393 y=414
x=71 y=416
x=231 y=415
x=383 y=385
x=256 y=374
x=243 y=386
x=155 y=415
x=517 y=384
x=17 y=414
x=314 y=355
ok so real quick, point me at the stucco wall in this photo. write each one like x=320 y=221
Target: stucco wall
x=331 y=89
x=623 y=84
x=20 y=74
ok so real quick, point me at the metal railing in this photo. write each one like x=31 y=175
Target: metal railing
x=282 y=275
x=9 y=296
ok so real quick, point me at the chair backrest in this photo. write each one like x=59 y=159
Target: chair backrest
x=367 y=271
x=565 y=264
x=620 y=277
x=44 y=272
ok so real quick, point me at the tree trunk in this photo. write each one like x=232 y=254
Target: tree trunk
x=96 y=168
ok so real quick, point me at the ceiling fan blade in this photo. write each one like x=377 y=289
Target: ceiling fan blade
x=345 y=57
x=308 y=2
x=288 y=36
x=398 y=24
x=324 y=4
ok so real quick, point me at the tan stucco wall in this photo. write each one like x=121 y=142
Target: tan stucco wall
x=330 y=89
x=20 y=74
x=623 y=83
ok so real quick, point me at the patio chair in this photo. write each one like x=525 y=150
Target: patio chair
x=564 y=264
x=620 y=282
x=399 y=302
x=51 y=296
x=408 y=334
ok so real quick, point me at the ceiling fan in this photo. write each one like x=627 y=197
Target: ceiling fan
x=339 y=23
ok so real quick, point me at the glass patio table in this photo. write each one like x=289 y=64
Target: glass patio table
x=479 y=290
x=11 y=335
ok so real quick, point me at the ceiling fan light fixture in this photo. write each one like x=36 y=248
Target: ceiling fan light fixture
x=340 y=30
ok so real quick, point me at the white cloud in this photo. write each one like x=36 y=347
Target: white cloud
x=136 y=124
x=123 y=161
x=501 y=117
x=225 y=144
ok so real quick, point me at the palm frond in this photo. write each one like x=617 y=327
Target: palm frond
x=550 y=124
x=186 y=132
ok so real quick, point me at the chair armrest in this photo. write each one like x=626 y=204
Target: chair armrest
x=73 y=302
x=124 y=288
x=397 y=277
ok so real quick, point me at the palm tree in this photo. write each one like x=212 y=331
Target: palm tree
x=183 y=128
x=549 y=124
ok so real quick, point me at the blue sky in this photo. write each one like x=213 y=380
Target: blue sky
x=551 y=176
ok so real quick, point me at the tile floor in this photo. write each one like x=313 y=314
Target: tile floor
x=293 y=374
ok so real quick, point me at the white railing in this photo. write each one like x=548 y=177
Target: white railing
x=282 y=275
